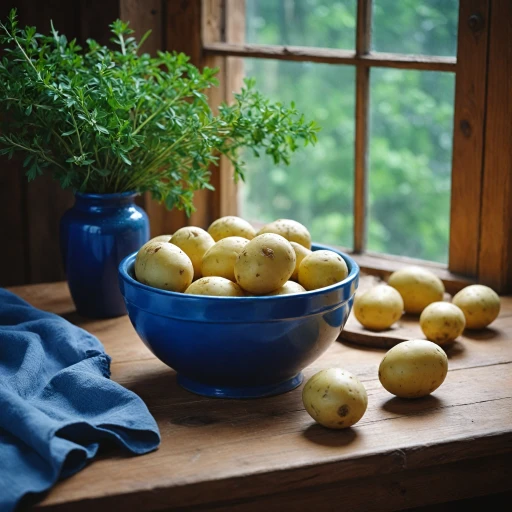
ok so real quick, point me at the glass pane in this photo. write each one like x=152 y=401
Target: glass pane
x=317 y=188
x=327 y=23
x=424 y=27
x=410 y=162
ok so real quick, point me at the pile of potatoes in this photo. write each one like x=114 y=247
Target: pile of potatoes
x=418 y=291
x=412 y=369
x=231 y=259
x=337 y=399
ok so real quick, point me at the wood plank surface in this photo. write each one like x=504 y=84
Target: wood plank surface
x=382 y=265
x=14 y=266
x=181 y=33
x=232 y=82
x=268 y=454
x=495 y=258
x=46 y=203
x=468 y=136
x=331 y=56
x=408 y=327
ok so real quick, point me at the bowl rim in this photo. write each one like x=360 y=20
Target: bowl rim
x=129 y=261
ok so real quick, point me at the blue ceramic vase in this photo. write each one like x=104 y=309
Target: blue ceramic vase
x=96 y=234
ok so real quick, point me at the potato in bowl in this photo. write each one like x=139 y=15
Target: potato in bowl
x=238 y=347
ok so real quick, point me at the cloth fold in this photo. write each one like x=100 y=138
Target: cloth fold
x=57 y=402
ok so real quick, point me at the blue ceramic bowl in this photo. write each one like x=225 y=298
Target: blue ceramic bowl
x=238 y=347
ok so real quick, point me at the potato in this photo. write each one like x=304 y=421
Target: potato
x=288 y=288
x=161 y=238
x=265 y=264
x=300 y=253
x=379 y=307
x=194 y=242
x=335 y=398
x=219 y=260
x=292 y=230
x=418 y=288
x=216 y=286
x=442 y=322
x=163 y=265
x=231 y=226
x=480 y=305
x=322 y=268
x=413 y=368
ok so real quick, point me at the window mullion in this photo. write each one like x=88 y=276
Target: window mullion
x=363 y=47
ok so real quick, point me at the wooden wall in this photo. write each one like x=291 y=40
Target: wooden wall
x=30 y=213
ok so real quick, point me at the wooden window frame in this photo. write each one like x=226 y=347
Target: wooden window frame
x=212 y=33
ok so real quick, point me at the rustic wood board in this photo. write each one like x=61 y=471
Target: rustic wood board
x=269 y=455
x=408 y=327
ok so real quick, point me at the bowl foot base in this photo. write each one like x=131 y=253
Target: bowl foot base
x=239 y=392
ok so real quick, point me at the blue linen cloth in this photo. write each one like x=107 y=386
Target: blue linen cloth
x=57 y=402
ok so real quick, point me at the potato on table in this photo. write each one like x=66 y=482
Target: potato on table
x=335 y=398
x=413 y=369
x=442 y=322
x=219 y=259
x=418 y=288
x=292 y=230
x=163 y=265
x=231 y=226
x=215 y=286
x=322 y=268
x=265 y=264
x=379 y=307
x=194 y=242
x=480 y=305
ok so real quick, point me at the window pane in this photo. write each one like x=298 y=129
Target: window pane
x=327 y=23
x=410 y=162
x=317 y=188
x=425 y=27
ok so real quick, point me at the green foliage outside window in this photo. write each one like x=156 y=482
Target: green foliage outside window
x=411 y=124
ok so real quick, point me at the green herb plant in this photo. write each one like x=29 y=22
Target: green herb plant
x=105 y=121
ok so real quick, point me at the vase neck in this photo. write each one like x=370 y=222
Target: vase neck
x=102 y=201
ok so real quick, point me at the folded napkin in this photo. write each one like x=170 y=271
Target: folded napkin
x=57 y=403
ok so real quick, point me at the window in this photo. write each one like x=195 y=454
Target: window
x=359 y=50
x=408 y=133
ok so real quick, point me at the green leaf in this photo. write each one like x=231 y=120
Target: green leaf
x=107 y=120
x=125 y=159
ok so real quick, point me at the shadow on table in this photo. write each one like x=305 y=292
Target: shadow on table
x=454 y=350
x=406 y=406
x=488 y=333
x=361 y=347
x=330 y=437
x=76 y=319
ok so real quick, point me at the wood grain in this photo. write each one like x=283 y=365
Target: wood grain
x=234 y=76
x=468 y=136
x=268 y=454
x=182 y=33
x=14 y=260
x=144 y=16
x=46 y=203
x=495 y=257
x=407 y=327
x=382 y=265
x=331 y=56
x=363 y=47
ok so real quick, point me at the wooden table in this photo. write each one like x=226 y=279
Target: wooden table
x=268 y=455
